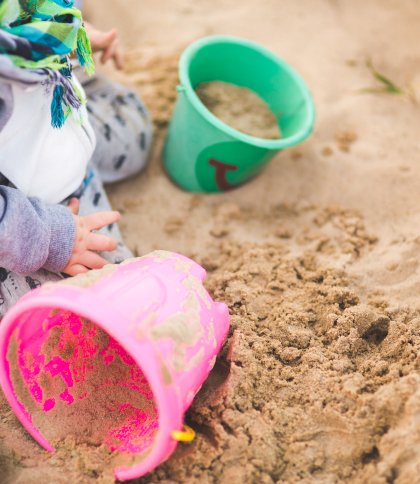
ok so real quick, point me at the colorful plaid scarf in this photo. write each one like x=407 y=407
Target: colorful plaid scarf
x=36 y=39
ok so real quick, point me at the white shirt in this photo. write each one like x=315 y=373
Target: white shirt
x=42 y=161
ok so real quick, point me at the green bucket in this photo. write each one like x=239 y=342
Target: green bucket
x=202 y=153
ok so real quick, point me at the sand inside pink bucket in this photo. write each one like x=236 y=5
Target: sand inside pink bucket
x=83 y=388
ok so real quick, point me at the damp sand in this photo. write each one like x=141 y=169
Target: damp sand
x=240 y=108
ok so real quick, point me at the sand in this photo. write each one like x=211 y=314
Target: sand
x=91 y=390
x=317 y=257
x=239 y=108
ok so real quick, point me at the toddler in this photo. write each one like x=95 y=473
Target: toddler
x=56 y=149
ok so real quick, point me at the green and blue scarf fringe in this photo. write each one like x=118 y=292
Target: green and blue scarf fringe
x=40 y=35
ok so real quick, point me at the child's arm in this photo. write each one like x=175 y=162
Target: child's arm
x=36 y=235
x=33 y=234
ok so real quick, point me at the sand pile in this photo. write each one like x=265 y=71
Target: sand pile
x=313 y=385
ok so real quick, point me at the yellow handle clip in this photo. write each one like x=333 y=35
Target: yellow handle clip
x=187 y=434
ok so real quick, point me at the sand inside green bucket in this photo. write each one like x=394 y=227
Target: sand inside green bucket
x=239 y=107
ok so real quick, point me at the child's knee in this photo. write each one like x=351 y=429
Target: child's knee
x=138 y=134
x=123 y=129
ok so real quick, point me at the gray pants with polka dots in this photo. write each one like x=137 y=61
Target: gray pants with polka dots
x=124 y=134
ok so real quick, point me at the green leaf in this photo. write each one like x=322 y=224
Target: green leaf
x=387 y=84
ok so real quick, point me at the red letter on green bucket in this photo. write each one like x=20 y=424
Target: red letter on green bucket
x=220 y=175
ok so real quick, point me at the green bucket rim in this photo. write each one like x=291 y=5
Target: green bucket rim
x=187 y=88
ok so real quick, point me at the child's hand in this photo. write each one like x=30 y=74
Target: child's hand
x=84 y=256
x=107 y=43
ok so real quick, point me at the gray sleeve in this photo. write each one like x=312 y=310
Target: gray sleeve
x=33 y=234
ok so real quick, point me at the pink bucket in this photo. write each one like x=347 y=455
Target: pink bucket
x=126 y=347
